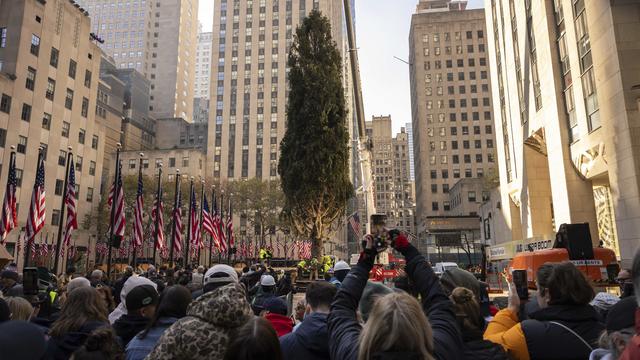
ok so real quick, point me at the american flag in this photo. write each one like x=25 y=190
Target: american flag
x=207 y=222
x=138 y=213
x=195 y=221
x=157 y=217
x=70 y=202
x=354 y=221
x=219 y=222
x=116 y=188
x=177 y=225
x=45 y=247
x=306 y=250
x=9 y=208
x=230 y=235
x=37 y=210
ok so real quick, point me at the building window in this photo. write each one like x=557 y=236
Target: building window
x=3 y=37
x=94 y=142
x=5 y=103
x=30 y=83
x=3 y=137
x=467 y=173
x=79 y=161
x=172 y=162
x=81 y=136
x=51 y=89
x=132 y=164
x=72 y=69
x=26 y=112
x=35 y=44
x=68 y=101
x=65 y=129
x=55 y=56
x=59 y=187
x=434 y=206
x=85 y=107
x=22 y=144
x=87 y=78
x=434 y=188
x=92 y=168
x=434 y=174
x=55 y=217
x=471 y=196
x=62 y=158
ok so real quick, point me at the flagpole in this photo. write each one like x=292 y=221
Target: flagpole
x=62 y=208
x=189 y=224
x=158 y=199
x=113 y=209
x=12 y=215
x=200 y=223
x=173 y=220
x=213 y=195
x=27 y=245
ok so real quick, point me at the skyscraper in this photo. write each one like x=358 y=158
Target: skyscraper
x=409 y=130
x=157 y=38
x=251 y=39
x=202 y=83
x=566 y=99
x=452 y=124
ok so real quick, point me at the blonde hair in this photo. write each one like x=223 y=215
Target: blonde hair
x=20 y=308
x=396 y=323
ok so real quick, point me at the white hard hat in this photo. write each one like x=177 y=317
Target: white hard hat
x=341 y=265
x=267 y=280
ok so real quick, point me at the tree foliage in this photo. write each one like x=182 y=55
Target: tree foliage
x=314 y=159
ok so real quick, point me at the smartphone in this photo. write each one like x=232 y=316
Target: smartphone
x=30 y=281
x=520 y=281
x=378 y=223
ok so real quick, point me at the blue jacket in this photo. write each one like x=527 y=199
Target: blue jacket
x=310 y=341
x=138 y=348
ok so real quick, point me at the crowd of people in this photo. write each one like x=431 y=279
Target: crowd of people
x=221 y=313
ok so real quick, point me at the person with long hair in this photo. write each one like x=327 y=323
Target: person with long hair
x=563 y=319
x=172 y=306
x=82 y=313
x=472 y=326
x=107 y=296
x=20 y=308
x=256 y=340
x=397 y=325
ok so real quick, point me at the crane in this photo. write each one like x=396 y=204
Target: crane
x=364 y=145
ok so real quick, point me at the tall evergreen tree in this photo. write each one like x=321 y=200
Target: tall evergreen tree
x=314 y=157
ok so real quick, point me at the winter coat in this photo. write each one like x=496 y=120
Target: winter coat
x=62 y=347
x=204 y=332
x=281 y=324
x=540 y=337
x=138 y=348
x=310 y=341
x=344 y=328
x=476 y=348
x=128 y=326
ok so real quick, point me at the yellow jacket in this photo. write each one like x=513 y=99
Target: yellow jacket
x=505 y=330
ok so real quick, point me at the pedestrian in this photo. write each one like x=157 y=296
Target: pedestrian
x=275 y=311
x=9 y=285
x=310 y=341
x=632 y=351
x=101 y=344
x=340 y=271
x=256 y=340
x=141 y=304
x=172 y=306
x=131 y=283
x=472 y=326
x=83 y=312
x=197 y=278
x=397 y=326
x=107 y=296
x=217 y=276
x=267 y=290
x=212 y=320
x=564 y=319
x=284 y=285
x=22 y=340
x=97 y=278
x=372 y=292
x=620 y=328
x=77 y=283
x=625 y=282
x=20 y=308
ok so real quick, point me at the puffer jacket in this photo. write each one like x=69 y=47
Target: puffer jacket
x=204 y=333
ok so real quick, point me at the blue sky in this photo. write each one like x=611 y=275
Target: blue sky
x=382 y=28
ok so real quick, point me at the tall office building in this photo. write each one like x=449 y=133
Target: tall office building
x=566 y=90
x=157 y=38
x=49 y=82
x=393 y=191
x=452 y=123
x=202 y=85
x=412 y=169
x=249 y=88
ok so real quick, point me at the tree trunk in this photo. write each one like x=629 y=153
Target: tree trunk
x=317 y=250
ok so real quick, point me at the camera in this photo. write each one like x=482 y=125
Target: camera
x=380 y=236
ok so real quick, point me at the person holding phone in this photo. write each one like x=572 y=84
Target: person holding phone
x=398 y=326
x=562 y=326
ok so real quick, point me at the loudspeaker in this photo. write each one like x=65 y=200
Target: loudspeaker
x=576 y=238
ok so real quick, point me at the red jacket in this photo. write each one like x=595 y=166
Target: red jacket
x=282 y=324
x=632 y=352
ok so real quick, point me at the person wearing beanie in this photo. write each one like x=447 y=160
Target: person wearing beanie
x=141 y=304
x=275 y=311
x=267 y=290
x=9 y=285
x=340 y=271
x=21 y=340
x=619 y=328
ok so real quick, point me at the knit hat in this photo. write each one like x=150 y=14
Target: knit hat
x=622 y=315
x=21 y=340
x=275 y=305
x=78 y=283
x=267 y=280
x=220 y=274
x=8 y=274
x=141 y=296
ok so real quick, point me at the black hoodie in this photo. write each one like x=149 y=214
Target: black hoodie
x=62 y=347
x=128 y=326
x=310 y=341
